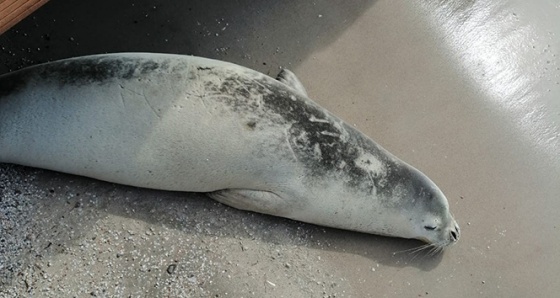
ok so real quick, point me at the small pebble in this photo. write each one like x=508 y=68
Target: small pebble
x=171 y=268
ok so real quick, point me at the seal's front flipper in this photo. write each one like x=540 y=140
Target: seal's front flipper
x=289 y=78
x=252 y=200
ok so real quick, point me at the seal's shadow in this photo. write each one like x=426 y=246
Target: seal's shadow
x=65 y=207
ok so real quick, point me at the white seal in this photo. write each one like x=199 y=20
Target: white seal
x=192 y=124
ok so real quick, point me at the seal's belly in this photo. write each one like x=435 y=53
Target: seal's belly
x=172 y=125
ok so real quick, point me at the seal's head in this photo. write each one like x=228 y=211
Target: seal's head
x=427 y=210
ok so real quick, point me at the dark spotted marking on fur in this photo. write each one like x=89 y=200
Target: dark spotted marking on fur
x=299 y=114
x=86 y=70
x=240 y=93
x=251 y=125
x=98 y=70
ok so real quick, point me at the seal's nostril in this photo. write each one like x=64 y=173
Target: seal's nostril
x=454 y=236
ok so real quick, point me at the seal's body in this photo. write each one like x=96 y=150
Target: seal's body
x=186 y=123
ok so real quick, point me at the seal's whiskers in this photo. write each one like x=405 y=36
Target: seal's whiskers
x=415 y=249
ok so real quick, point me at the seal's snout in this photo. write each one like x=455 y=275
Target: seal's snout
x=454 y=234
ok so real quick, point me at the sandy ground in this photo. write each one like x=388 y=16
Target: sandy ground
x=467 y=91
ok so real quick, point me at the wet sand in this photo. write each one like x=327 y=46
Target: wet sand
x=468 y=93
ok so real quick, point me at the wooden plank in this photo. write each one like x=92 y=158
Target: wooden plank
x=13 y=11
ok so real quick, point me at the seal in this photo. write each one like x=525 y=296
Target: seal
x=185 y=123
